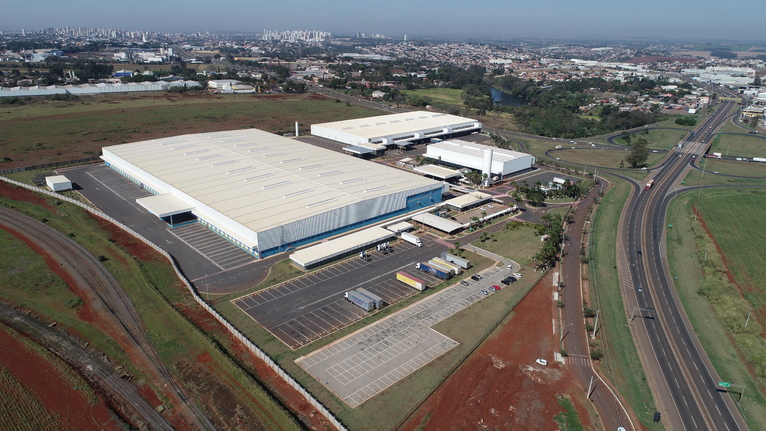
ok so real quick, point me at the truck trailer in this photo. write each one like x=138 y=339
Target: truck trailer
x=412 y=281
x=459 y=261
x=437 y=265
x=433 y=270
x=362 y=301
x=412 y=239
x=455 y=268
x=375 y=298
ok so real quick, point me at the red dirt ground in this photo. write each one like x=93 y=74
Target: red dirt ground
x=17 y=193
x=131 y=244
x=289 y=396
x=57 y=397
x=500 y=387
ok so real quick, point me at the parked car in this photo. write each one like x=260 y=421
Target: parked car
x=464 y=283
x=495 y=287
x=541 y=361
x=478 y=276
x=517 y=275
x=484 y=292
x=475 y=277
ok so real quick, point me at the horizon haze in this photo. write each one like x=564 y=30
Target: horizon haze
x=683 y=20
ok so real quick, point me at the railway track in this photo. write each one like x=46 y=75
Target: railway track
x=88 y=364
x=90 y=274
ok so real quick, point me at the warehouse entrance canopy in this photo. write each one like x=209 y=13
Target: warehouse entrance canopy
x=168 y=207
x=439 y=172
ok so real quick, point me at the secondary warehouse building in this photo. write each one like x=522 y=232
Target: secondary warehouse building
x=492 y=161
x=263 y=192
x=375 y=133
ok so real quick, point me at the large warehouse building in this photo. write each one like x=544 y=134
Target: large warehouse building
x=396 y=129
x=490 y=160
x=263 y=192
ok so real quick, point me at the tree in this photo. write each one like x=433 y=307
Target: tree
x=638 y=154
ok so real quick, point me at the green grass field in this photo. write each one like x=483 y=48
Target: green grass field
x=717 y=308
x=600 y=158
x=449 y=96
x=621 y=362
x=755 y=170
x=741 y=145
x=47 y=131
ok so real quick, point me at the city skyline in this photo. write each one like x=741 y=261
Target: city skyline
x=557 y=19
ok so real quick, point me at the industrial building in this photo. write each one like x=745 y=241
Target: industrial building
x=263 y=192
x=378 y=133
x=489 y=160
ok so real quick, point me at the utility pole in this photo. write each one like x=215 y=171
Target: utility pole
x=590 y=388
x=748 y=317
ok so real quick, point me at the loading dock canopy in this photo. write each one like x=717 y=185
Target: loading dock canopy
x=355 y=149
x=164 y=205
x=339 y=247
x=437 y=222
x=468 y=200
x=400 y=227
x=438 y=172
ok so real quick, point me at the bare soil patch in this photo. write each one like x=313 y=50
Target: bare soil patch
x=500 y=387
x=68 y=407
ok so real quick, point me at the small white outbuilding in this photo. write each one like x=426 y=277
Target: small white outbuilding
x=58 y=183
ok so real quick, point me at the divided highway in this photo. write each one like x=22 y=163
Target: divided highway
x=684 y=381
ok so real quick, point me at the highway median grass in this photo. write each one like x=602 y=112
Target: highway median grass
x=621 y=363
x=717 y=308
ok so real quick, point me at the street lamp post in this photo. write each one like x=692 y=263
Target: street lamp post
x=562 y=331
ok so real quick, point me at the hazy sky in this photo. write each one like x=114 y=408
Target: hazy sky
x=686 y=19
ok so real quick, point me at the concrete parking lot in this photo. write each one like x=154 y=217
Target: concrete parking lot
x=362 y=365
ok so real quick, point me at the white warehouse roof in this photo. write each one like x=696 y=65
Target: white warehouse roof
x=468 y=154
x=259 y=181
x=394 y=128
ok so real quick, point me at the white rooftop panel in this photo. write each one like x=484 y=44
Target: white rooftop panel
x=387 y=125
x=326 y=250
x=438 y=171
x=437 y=222
x=164 y=205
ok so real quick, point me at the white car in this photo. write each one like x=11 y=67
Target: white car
x=541 y=361
x=517 y=275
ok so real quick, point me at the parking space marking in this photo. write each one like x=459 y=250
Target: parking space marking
x=358 y=368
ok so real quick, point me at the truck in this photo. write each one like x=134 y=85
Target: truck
x=456 y=269
x=412 y=281
x=649 y=185
x=459 y=261
x=759 y=159
x=412 y=239
x=435 y=271
x=362 y=301
x=375 y=298
x=432 y=263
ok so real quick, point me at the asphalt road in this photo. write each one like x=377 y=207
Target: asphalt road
x=572 y=330
x=682 y=377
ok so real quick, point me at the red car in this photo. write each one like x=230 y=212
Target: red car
x=496 y=287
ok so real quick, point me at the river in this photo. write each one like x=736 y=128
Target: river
x=501 y=98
